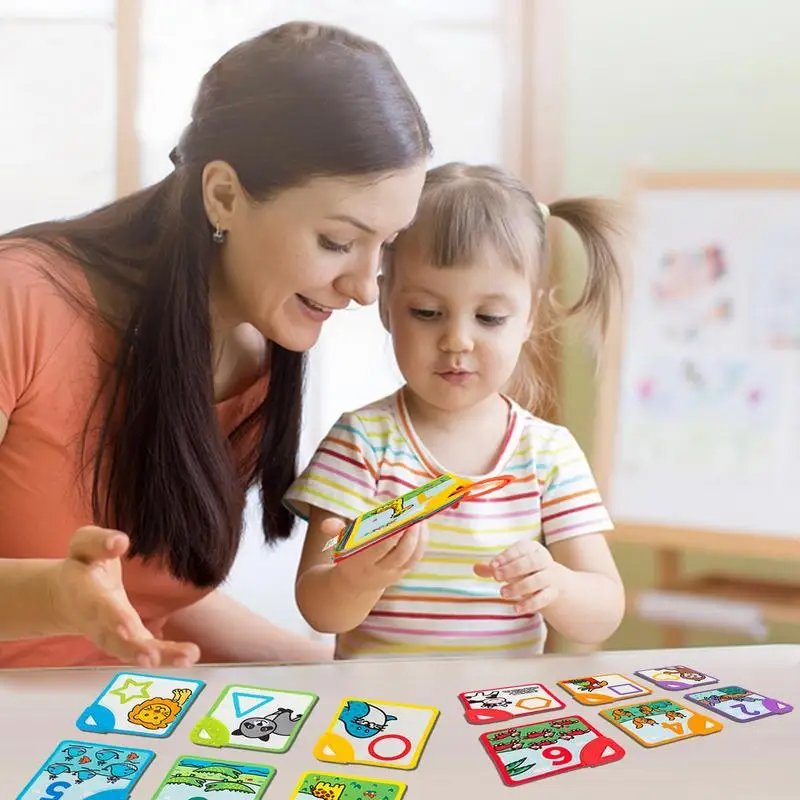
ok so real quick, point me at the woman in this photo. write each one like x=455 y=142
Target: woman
x=151 y=354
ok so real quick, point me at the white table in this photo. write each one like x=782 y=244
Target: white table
x=39 y=709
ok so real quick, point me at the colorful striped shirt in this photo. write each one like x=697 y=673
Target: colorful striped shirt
x=441 y=607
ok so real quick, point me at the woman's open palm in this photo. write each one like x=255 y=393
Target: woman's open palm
x=90 y=599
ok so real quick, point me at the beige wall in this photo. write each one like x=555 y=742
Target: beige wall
x=674 y=85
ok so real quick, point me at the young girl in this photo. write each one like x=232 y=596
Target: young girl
x=464 y=295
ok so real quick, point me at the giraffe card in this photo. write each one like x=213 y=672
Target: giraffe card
x=660 y=721
x=138 y=704
x=328 y=786
x=254 y=718
x=378 y=733
x=596 y=690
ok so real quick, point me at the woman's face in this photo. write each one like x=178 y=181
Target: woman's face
x=289 y=262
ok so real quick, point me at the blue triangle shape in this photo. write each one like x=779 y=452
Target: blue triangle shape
x=243 y=711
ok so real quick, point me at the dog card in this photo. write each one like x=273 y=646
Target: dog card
x=346 y=787
x=254 y=718
x=739 y=704
x=193 y=778
x=531 y=752
x=600 y=689
x=401 y=513
x=140 y=705
x=660 y=722
x=78 y=770
x=507 y=702
x=675 y=679
x=376 y=733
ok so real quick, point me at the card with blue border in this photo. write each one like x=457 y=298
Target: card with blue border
x=78 y=770
x=139 y=704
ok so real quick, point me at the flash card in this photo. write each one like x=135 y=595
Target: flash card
x=597 y=690
x=675 y=679
x=531 y=752
x=192 y=778
x=739 y=704
x=140 y=705
x=391 y=518
x=79 y=770
x=507 y=702
x=346 y=787
x=254 y=718
x=660 y=722
x=377 y=733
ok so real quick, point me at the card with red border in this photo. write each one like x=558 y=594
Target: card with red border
x=539 y=750
x=508 y=702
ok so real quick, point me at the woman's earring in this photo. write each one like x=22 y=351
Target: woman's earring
x=218 y=237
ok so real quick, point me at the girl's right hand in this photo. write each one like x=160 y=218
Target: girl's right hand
x=383 y=564
x=89 y=599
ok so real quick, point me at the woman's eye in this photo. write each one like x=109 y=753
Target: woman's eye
x=326 y=243
x=491 y=319
x=424 y=313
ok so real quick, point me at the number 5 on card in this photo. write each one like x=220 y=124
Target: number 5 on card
x=531 y=752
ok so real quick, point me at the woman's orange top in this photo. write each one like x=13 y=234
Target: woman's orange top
x=49 y=375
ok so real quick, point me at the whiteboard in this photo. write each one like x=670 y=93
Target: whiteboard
x=707 y=414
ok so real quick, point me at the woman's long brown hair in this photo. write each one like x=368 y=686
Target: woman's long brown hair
x=298 y=101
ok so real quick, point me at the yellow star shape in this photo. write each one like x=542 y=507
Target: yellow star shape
x=126 y=693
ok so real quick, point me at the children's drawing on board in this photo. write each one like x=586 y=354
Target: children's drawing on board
x=691 y=294
x=701 y=412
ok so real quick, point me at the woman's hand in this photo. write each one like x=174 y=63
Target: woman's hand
x=382 y=564
x=89 y=599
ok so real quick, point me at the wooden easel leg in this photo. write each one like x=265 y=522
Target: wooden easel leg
x=668 y=567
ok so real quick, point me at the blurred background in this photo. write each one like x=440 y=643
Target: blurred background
x=689 y=110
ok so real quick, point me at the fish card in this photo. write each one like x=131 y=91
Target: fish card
x=597 y=690
x=535 y=751
x=401 y=513
x=78 y=770
x=328 y=786
x=661 y=721
x=738 y=704
x=507 y=702
x=140 y=705
x=675 y=679
x=377 y=733
x=193 y=778
x=254 y=718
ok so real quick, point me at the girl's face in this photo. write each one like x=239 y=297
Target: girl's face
x=457 y=331
x=288 y=263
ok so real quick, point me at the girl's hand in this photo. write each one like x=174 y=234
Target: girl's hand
x=529 y=574
x=382 y=564
x=89 y=599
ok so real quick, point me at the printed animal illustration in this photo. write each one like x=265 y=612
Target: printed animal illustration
x=588 y=684
x=640 y=722
x=280 y=723
x=491 y=700
x=685 y=673
x=157 y=713
x=363 y=720
x=620 y=714
x=328 y=791
x=675 y=715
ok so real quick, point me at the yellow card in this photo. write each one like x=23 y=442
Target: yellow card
x=393 y=517
x=377 y=733
x=331 y=786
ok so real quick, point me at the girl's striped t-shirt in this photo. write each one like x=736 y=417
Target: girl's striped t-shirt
x=441 y=608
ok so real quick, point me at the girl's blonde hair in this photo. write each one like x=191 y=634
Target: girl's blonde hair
x=466 y=207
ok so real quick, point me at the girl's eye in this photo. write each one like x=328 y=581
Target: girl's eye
x=491 y=319
x=423 y=313
x=326 y=243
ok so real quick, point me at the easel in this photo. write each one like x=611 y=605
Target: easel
x=776 y=601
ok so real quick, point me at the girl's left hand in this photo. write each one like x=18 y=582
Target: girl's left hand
x=529 y=574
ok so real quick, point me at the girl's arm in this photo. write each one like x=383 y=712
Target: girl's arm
x=590 y=599
x=227 y=631
x=337 y=598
